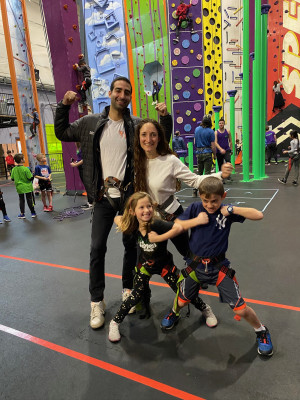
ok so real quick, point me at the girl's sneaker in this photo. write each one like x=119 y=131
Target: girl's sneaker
x=6 y=218
x=45 y=209
x=21 y=216
x=50 y=208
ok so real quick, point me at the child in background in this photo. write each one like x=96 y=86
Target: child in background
x=210 y=223
x=138 y=219
x=35 y=123
x=10 y=162
x=86 y=82
x=3 y=209
x=23 y=178
x=294 y=159
x=43 y=173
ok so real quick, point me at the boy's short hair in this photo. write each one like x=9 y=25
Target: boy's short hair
x=39 y=156
x=18 y=157
x=8 y=152
x=211 y=185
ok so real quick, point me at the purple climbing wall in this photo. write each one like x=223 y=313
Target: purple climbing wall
x=64 y=41
x=187 y=69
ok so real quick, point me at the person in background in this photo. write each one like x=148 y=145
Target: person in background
x=294 y=159
x=238 y=147
x=3 y=209
x=10 y=162
x=271 y=145
x=155 y=90
x=23 y=178
x=177 y=142
x=278 y=99
x=43 y=173
x=204 y=142
x=78 y=163
x=86 y=81
x=35 y=123
x=223 y=144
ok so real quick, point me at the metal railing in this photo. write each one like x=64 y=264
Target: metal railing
x=7 y=104
x=3 y=168
x=55 y=161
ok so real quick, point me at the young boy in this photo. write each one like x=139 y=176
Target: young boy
x=43 y=173
x=35 y=123
x=23 y=180
x=3 y=209
x=10 y=162
x=210 y=223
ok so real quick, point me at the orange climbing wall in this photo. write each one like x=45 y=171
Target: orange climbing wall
x=212 y=45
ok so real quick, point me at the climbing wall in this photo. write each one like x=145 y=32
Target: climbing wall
x=232 y=48
x=187 y=69
x=212 y=44
x=284 y=66
x=19 y=48
x=148 y=53
x=106 y=47
x=64 y=42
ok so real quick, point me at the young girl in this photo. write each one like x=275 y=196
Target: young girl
x=294 y=159
x=154 y=258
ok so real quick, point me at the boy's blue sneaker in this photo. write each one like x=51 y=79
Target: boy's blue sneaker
x=22 y=216
x=6 y=218
x=169 y=321
x=33 y=215
x=264 y=344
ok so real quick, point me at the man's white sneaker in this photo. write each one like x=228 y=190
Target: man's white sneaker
x=97 y=314
x=114 y=333
x=126 y=293
x=211 y=320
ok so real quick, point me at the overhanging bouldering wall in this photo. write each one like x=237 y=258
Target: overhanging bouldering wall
x=148 y=53
x=187 y=69
x=106 y=46
x=64 y=42
x=284 y=66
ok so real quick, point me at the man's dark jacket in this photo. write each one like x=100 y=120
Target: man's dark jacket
x=87 y=131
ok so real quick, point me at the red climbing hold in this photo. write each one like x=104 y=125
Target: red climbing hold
x=65 y=6
x=70 y=39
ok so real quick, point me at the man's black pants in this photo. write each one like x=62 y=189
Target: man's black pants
x=103 y=219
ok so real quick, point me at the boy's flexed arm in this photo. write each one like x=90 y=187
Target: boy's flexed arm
x=249 y=213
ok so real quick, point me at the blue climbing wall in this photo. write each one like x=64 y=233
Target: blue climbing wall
x=106 y=46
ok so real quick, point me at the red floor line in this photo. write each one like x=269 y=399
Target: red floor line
x=264 y=303
x=103 y=365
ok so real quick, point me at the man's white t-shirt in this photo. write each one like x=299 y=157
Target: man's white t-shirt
x=113 y=152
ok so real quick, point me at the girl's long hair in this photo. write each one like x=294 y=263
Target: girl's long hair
x=140 y=158
x=129 y=222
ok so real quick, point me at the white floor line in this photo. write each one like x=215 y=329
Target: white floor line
x=270 y=200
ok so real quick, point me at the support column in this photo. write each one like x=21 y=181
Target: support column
x=191 y=152
x=231 y=94
x=32 y=75
x=246 y=93
x=217 y=110
x=263 y=111
x=256 y=151
x=13 y=78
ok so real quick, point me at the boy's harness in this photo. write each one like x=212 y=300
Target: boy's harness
x=196 y=260
x=112 y=182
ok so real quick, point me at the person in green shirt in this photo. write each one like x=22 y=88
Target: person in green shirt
x=23 y=178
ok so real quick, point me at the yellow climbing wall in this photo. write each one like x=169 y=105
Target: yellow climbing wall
x=212 y=50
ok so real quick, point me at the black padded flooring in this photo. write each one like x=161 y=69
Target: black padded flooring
x=48 y=350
